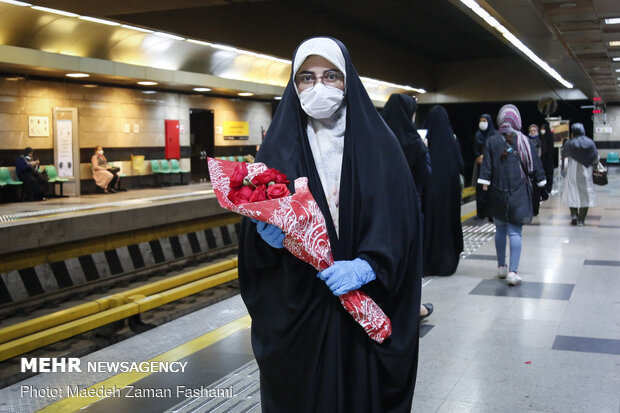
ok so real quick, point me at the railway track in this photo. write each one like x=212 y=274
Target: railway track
x=28 y=313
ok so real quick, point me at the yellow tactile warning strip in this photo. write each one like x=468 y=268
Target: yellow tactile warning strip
x=121 y=380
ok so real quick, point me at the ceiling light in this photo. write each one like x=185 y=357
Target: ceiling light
x=376 y=82
x=90 y=85
x=275 y=59
x=618 y=70
x=245 y=94
x=14 y=78
x=61 y=12
x=482 y=13
x=278 y=98
x=76 y=75
x=102 y=21
x=616 y=59
x=613 y=20
x=202 y=89
x=227 y=48
x=148 y=92
x=168 y=36
x=147 y=83
x=200 y=42
x=614 y=43
x=140 y=29
x=15 y=3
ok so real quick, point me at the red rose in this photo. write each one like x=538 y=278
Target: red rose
x=265 y=177
x=277 y=191
x=240 y=195
x=259 y=194
x=281 y=178
x=241 y=171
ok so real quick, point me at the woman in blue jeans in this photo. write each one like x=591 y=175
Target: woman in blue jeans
x=509 y=167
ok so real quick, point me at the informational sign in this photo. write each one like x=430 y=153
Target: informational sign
x=64 y=130
x=603 y=129
x=236 y=130
x=38 y=126
x=560 y=129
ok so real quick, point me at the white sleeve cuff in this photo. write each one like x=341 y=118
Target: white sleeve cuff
x=483 y=181
x=542 y=183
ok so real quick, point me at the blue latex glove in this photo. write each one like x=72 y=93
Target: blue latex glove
x=345 y=276
x=270 y=233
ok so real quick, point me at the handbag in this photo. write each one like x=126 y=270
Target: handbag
x=599 y=174
x=114 y=169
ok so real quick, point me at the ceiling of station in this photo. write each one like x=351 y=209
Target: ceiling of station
x=399 y=41
x=580 y=26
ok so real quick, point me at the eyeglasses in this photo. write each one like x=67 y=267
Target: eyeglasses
x=305 y=80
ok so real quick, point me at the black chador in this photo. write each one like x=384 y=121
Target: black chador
x=443 y=234
x=313 y=356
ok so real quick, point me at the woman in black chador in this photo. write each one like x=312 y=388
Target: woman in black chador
x=399 y=114
x=313 y=356
x=443 y=234
x=547 y=157
x=486 y=129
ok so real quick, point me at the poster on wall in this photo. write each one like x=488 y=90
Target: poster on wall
x=38 y=126
x=64 y=130
x=236 y=130
x=560 y=129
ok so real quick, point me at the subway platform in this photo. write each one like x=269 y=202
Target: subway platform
x=550 y=345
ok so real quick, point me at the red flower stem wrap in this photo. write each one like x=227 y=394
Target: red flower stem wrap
x=300 y=218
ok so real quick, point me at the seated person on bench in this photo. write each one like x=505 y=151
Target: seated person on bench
x=105 y=176
x=35 y=182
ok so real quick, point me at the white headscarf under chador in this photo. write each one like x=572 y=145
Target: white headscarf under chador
x=326 y=136
x=320 y=46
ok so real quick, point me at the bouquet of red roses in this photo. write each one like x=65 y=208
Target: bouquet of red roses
x=260 y=193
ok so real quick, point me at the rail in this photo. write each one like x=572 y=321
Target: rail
x=42 y=331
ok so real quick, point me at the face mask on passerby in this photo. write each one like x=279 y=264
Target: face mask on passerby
x=100 y=152
x=483 y=125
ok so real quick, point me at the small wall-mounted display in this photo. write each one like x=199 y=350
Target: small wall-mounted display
x=38 y=126
x=136 y=128
x=236 y=130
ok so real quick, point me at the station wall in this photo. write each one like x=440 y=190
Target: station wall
x=105 y=113
x=607 y=131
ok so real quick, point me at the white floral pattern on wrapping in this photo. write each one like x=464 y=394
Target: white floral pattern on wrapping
x=300 y=218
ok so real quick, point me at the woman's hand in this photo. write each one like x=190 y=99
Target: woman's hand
x=479 y=159
x=485 y=187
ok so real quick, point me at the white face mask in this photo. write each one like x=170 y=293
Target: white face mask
x=542 y=131
x=320 y=101
x=100 y=152
x=483 y=125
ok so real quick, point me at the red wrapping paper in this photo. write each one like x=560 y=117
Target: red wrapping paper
x=300 y=218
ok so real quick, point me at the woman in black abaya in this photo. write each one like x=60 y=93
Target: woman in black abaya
x=486 y=129
x=313 y=356
x=547 y=157
x=399 y=113
x=443 y=234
